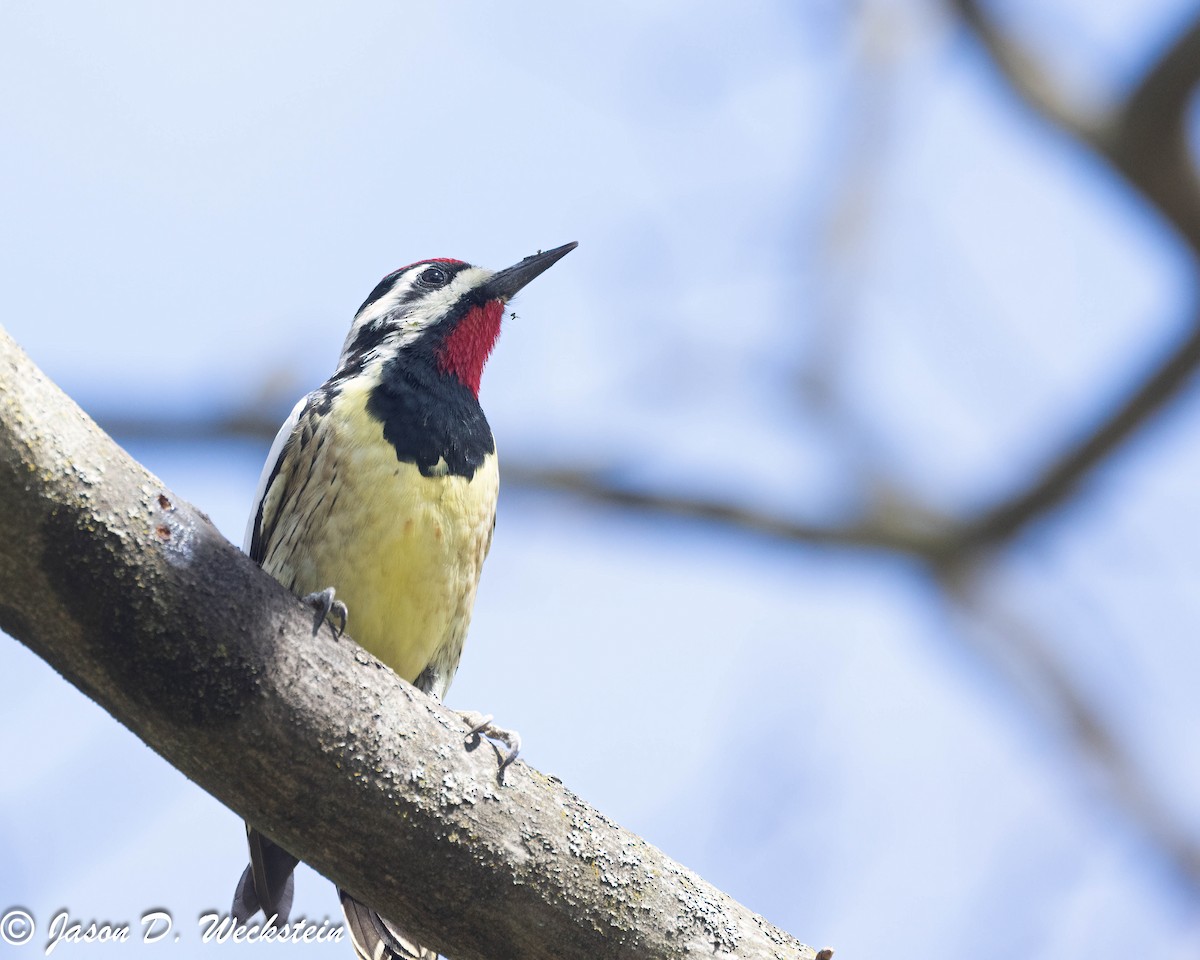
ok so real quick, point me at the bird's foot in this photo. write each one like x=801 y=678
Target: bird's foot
x=481 y=726
x=325 y=603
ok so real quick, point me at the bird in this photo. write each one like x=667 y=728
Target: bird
x=377 y=506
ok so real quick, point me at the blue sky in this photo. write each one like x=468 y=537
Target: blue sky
x=767 y=200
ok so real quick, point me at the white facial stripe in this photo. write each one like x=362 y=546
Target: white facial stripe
x=411 y=319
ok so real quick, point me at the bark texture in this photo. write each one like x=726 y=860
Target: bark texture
x=132 y=595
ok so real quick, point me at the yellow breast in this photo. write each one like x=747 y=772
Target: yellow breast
x=403 y=551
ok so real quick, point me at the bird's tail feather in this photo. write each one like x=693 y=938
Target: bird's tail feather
x=268 y=883
x=375 y=938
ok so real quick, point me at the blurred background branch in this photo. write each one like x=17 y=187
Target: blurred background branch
x=870 y=401
x=1144 y=139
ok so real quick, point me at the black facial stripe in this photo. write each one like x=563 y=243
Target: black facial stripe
x=389 y=282
x=369 y=335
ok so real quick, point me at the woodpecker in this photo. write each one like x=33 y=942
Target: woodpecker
x=377 y=505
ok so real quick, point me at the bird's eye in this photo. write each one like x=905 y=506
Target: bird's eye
x=433 y=277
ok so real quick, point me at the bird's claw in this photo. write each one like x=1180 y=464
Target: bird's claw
x=481 y=726
x=325 y=603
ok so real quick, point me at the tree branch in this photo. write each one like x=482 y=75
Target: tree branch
x=1148 y=140
x=1145 y=140
x=1030 y=81
x=133 y=596
x=1056 y=482
x=900 y=531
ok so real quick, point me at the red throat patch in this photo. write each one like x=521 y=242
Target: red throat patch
x=466 y=349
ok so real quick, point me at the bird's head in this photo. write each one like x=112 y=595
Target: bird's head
x=443 y=312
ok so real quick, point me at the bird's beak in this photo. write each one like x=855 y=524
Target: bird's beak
x=505 y=283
